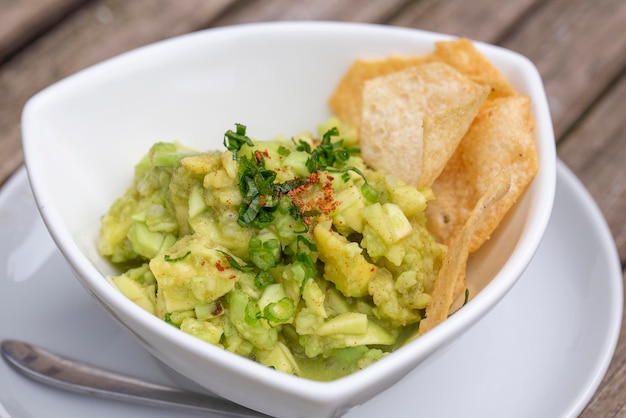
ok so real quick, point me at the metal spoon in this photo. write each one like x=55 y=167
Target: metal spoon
x=54 y=370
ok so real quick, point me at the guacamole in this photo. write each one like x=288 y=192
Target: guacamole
x=290 y=252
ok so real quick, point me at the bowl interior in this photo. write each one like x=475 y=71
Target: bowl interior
x=83 y=136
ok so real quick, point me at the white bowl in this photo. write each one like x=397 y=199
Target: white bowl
x=83 y=135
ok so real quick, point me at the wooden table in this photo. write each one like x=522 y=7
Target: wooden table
x=579 y=47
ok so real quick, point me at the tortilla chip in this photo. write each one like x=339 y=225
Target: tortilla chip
x=421 y=113
x=454 y=264
x=463 y=55
x=500 y=137
x=345 y=102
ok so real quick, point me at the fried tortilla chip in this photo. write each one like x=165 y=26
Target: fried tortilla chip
x=463 y=55
x=500 y=137
x=345 y=101
x=454 y=264
x=421 y=113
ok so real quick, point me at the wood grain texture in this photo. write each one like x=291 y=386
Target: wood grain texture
x=22 y=21
x=595 y=149
x=579 y=47
x=478 y=20
x=96 y=32
x=274 y=10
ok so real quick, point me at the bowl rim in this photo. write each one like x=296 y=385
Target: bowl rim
x=541 y=204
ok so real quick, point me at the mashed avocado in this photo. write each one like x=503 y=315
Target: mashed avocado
x=290 y=252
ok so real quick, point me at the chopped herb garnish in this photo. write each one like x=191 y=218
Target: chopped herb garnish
x=233 y=141
x=283 y=151
x=234 y=264
x=169 y=259
x=327 y=153
x=262 y=253
x=301 y=240
x=302 y=146
x=262 y=195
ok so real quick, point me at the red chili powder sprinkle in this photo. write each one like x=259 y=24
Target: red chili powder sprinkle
x=308 y=198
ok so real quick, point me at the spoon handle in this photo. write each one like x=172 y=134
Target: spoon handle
x=55 y=370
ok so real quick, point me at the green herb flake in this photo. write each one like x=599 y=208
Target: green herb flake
x=169 y=259
x=283 y=151
x=234 y=140
x=234 y=264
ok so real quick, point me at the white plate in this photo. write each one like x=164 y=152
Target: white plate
x=541 y=353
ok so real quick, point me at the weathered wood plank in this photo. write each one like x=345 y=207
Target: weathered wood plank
x=21 y=21
x=596 y=150
x=273 y=10
x=481 y=20
x=610 y=399
x=98 y=31
x=579 y=48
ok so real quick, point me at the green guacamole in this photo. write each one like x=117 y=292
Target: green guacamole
x=290 y=252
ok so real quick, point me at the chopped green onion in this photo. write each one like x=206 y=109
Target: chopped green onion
x=369 y=192
x=262 y=253
x=263 y=279
x=253 y=312
x=279 y=312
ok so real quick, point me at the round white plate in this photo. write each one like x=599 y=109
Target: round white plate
x=541 y=353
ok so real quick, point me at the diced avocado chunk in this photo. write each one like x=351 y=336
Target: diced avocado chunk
x=345 y=323
x=319 y=336
x=144 y=296
x=347 y=217
x=204 y=330
x=314 y=298
x=209 y=310
x=197 y=204
x=345 y=266
x=388 y=221
x=191 y=272
x=165 y=154
x=408 y=198
x=375 y=335
x=257 y=332
x=280 y=358
x=148 y=243
x=389 y=306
